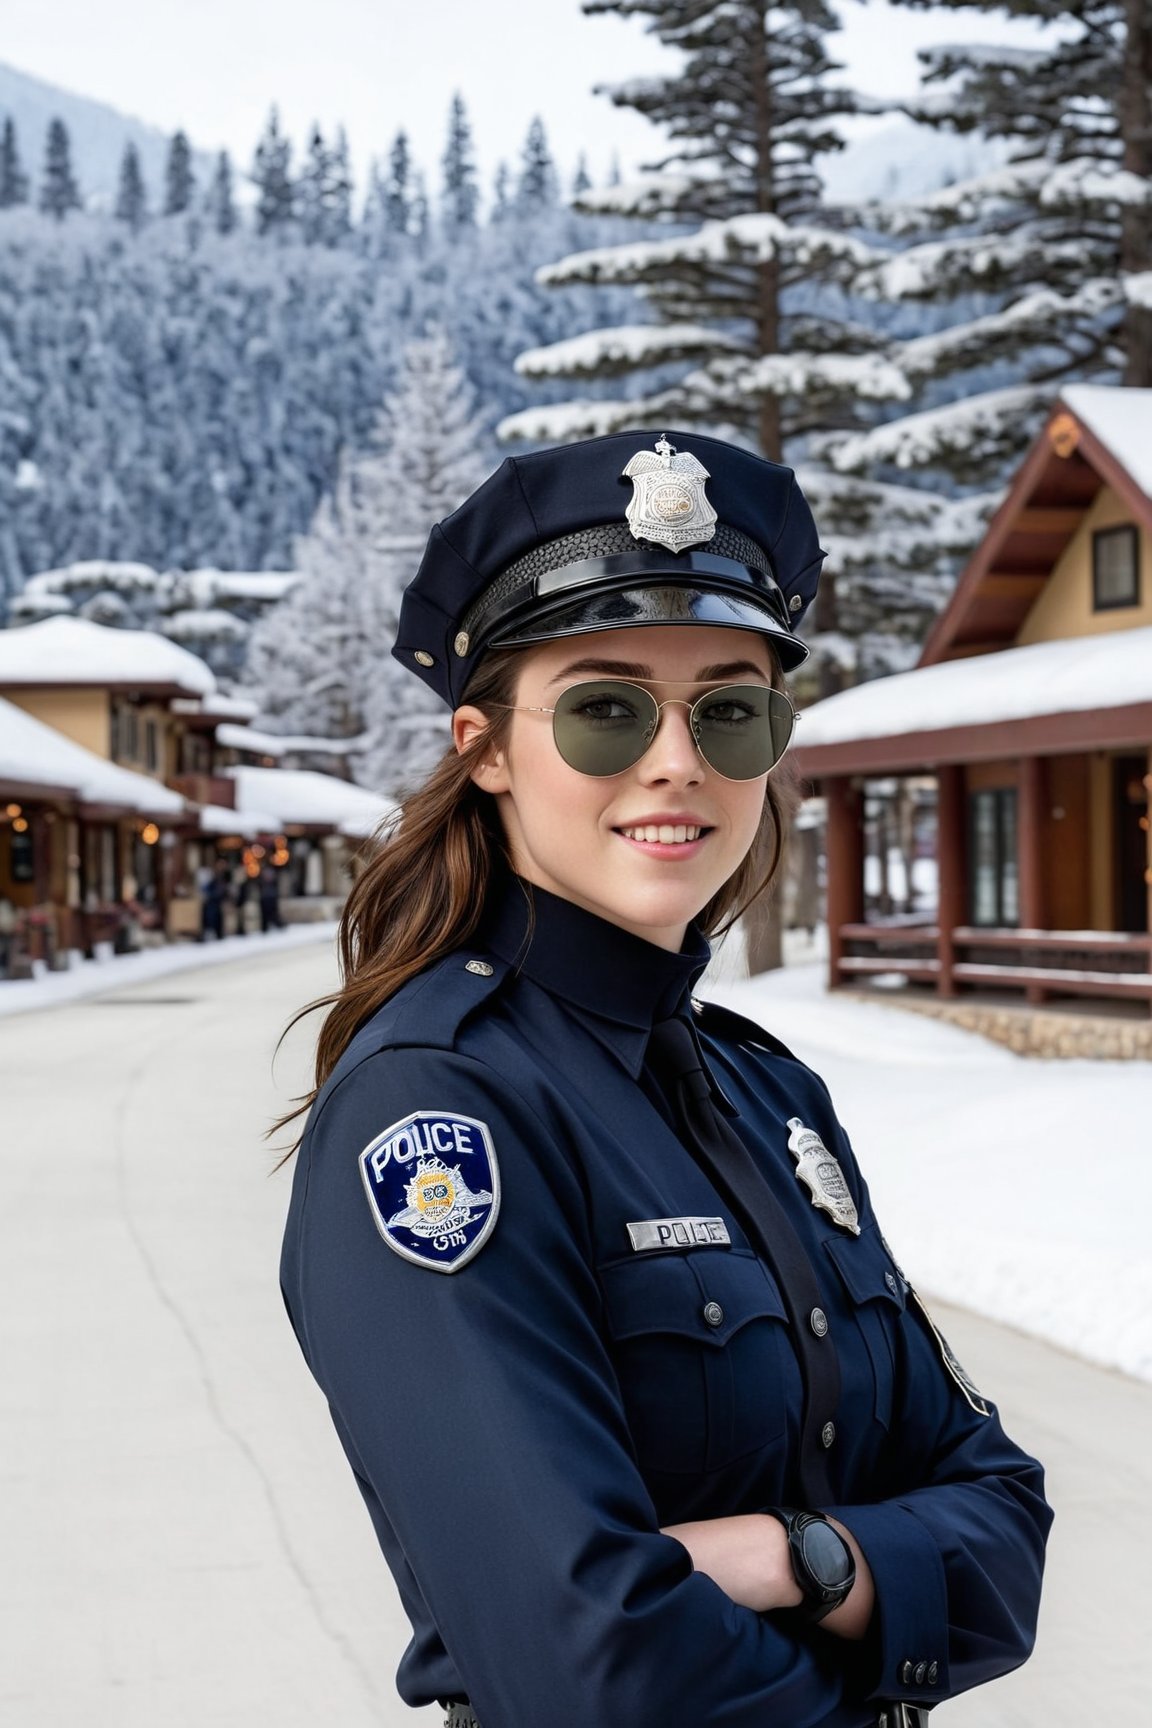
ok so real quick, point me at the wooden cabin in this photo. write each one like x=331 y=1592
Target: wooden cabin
x=1031 y=709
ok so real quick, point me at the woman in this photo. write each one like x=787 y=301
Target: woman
x=674 y=1443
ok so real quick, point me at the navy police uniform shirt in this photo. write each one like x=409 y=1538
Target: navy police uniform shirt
x=522 y=1426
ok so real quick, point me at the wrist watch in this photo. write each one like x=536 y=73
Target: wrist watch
x=822 y=1562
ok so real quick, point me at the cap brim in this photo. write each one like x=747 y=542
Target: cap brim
x=635 y=608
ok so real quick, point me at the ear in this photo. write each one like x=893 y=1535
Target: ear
x=469 y=724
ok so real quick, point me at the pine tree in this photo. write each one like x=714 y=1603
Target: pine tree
x=460 y=199
x=310 y=189
x=338 y=193
x=131 y=205
x=13 y=179
x=59 y=192
x=501 y=202
x=220 y=202
x=272 y=177
x=398 y=187
x=1054 y=248
x=536 y=188
x=179 y=179
x=581 y=180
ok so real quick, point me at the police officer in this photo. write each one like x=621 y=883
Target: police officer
x=651 y=1426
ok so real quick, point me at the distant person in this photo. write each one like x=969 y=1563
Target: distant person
x=215 y=894
x=270 y=918
x=652 y=1428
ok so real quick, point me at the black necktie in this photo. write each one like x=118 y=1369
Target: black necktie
x=678 y=1068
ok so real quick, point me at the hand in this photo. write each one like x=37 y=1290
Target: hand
x=747 y=1557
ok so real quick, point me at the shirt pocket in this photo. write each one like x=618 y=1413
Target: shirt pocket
x=877 y=1296
x=698 y=1341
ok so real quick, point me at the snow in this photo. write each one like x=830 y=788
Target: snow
x=1122 y=420
x=32 y=753
x=755 y=237
x=283 y=743
x=1077 y=674
x=93 y=977
x=127 y=578
x=1034 y=316
x=625 y=346
x=218 y=819
x=206 y=587
x=869 y=376
x=204 y=624
x=301 y=796
x=561 y=421
x=653 y=195
x=925 y=438
x=1026 y=1199
x=74 y=651
x=217 y=706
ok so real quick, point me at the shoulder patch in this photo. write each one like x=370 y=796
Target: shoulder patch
x=433 y=1186
x=948 y=1356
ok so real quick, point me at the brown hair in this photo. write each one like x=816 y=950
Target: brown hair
x=422 y=891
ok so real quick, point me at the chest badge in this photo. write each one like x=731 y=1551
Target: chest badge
x=822 y=1175
x=668 y=506
x=433 y=1186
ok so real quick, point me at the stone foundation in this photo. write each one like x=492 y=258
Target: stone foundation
x=1048 y=1032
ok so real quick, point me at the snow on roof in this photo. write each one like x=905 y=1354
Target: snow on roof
x=283 y=743
x=217 y=706
x=1122 y=420
x=300 y=795
x=75 y=651
x=204 y=624
x=92 y=573
x=1070 y=676
x=32 y=753
x=208 y=586
x=218 y=819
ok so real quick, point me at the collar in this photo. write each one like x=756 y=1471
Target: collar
x=616 y=984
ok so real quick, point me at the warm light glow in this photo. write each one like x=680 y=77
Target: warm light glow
x=13 y=810
x=20 y=825
x=149 y=833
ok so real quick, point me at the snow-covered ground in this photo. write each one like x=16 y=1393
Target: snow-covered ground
x=1015 y=1187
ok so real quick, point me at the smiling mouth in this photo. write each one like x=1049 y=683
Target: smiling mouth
x=664 y=833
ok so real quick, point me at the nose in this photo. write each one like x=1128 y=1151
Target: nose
x=672 y=755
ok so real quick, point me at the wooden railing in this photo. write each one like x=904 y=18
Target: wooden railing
x=1041 y=963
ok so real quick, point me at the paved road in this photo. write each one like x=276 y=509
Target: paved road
x=182 y=1543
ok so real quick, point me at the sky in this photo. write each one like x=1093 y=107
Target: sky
x=215 y=67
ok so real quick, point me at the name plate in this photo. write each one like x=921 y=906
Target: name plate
x=650 y=1234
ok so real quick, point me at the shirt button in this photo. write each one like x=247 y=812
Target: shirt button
x=828 y=1433
x=907 y=1673
x=713 y=1314
x=921 y=1673
x=818 y=1321
x=933 y=1671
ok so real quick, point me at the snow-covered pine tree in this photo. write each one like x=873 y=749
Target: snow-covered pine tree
x=536 y=187
x=13 y=179
x=131 y=205
x=220 y=200
x=338 y=193
x=460 y=198
x=1052 y=251
x=581 y=180
x=321 y=659
x=501 y=206
x=272 y=178
x=398 y=187
x=59 y=192
x=179 y=178
x=311 y=184
x=754 y=333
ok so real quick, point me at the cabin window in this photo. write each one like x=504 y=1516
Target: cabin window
x=151 y=754
x=993 y=886
x=1115 y=568
x=114 y=738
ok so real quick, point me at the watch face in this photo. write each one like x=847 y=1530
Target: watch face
x=826 y=1555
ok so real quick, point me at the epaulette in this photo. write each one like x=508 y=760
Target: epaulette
x=427 y=1012
x=724 y=1023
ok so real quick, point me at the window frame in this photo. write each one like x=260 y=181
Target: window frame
x=1131 y=533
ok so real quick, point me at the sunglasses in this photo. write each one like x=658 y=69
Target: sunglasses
x=604 y=727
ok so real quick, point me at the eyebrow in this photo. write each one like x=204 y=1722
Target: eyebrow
x=635 y=669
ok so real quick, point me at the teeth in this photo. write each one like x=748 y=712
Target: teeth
x=663 y=833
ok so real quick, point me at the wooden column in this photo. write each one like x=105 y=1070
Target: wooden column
x=951 y=871
x=845 y=866
x=1030 y=815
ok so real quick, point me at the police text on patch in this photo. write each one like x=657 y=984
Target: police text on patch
x=649 y=1235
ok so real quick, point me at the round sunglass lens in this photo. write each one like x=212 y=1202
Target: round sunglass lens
x=605 y=727
x=743 y=730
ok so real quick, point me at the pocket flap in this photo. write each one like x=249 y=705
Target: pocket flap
x=867 y=1269
x=706 y=1295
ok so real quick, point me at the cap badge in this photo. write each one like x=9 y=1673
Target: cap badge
x=668 y=505
x=822 y=1175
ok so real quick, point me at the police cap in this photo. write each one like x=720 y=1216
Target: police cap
x=631 y=529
